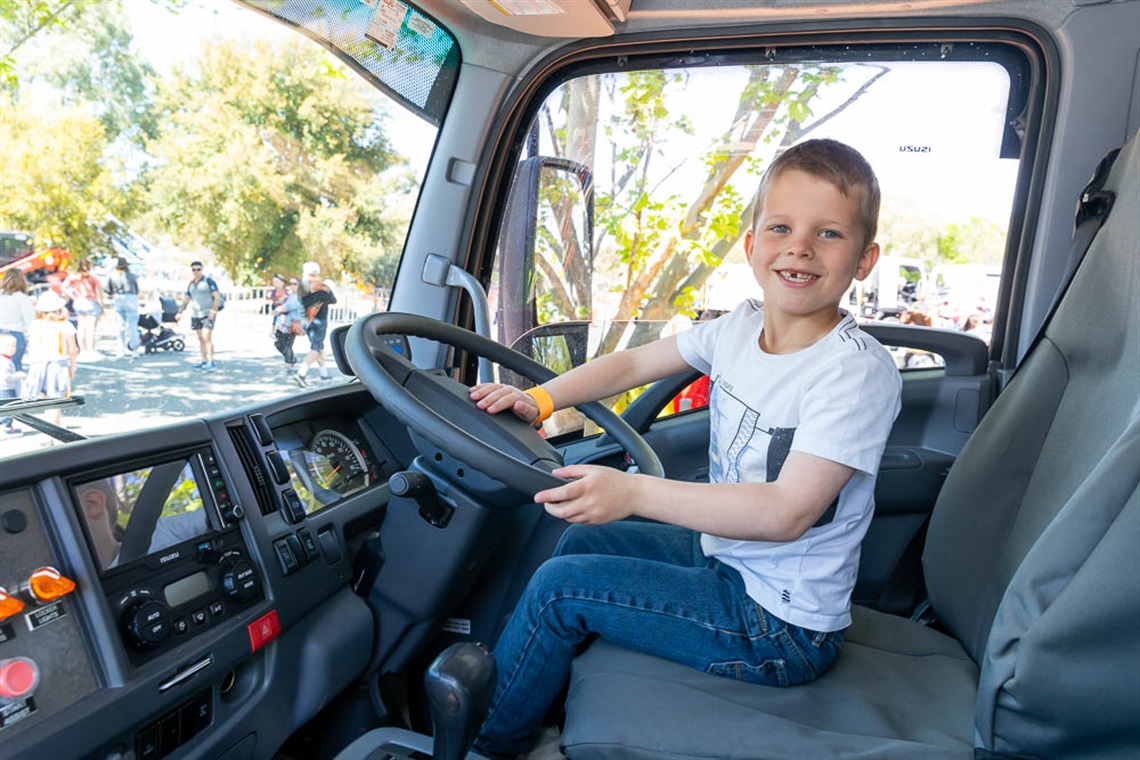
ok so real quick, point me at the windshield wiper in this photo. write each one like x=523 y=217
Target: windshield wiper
x=20 y=409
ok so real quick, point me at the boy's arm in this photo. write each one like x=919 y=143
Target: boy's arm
x=779 y=511
x=596 y=379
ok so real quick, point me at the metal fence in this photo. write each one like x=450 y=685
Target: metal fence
x=351 y=303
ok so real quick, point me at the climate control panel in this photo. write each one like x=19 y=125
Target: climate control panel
x=159 y=606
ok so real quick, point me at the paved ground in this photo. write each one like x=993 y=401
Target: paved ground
x=156 y=389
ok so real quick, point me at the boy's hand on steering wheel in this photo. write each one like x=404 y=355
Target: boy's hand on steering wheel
x=495 y=397
x=596 y=495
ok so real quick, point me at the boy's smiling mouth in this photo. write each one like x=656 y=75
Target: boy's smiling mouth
x=796 y=277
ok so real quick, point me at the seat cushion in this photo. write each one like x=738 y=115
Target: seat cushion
x=897 y=689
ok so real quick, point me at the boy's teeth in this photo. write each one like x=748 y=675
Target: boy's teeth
x=796 y=276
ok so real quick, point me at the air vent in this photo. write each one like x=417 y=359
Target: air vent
x=251 y=461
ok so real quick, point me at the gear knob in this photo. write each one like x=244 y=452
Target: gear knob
x=460 y=684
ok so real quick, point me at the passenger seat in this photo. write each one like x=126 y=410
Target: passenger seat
x=1032 y=564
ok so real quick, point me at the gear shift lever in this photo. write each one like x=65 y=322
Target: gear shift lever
x=460 y=684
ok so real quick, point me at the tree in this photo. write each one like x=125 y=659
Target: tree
x=269 y=157
x=57 y=181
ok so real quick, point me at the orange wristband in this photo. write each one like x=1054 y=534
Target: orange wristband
x=544 y=401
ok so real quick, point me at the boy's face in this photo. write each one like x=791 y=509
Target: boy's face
x=807 y=246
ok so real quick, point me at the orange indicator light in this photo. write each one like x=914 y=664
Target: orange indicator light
x=47 y=584
x=9 y=605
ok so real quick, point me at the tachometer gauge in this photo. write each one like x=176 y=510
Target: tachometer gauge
x=337 y=464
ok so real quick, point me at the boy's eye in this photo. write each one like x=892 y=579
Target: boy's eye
x=830 y=234
x=780 y=228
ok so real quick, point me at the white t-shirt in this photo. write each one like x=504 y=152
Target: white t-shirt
x=837 y=400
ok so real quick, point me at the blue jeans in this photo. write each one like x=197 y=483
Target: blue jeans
x=127 y=307
x=647 y=587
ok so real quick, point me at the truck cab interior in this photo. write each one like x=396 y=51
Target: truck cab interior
x=279 y=579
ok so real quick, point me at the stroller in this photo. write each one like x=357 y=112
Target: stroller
x=154 y=335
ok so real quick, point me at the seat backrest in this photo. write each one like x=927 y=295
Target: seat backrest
x=1031 y=559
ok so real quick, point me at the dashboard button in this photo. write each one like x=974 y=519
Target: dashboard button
x=217 y=609
x=9 y=605
x=169 y=734
x=298 y=550
x=310 y=546
x=329 y=546
x=47 y=584
x=146 y=744
x=263 y=630
x=19 y=678
x=181 y=626
x=285 y=557
x=277 y=464
x=147 y=623
x=198 y=617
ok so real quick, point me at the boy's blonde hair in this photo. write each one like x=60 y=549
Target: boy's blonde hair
x=837 y=163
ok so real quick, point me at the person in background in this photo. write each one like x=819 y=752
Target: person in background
x=316 y=301
x=123 y=288
x=288 y=323
x=52 y=352
x=86 y=294
x=9 y=378
x=17 y=310
x=204 y=300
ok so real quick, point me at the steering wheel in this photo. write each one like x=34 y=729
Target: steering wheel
x=500 y=446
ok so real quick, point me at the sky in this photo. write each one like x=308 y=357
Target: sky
x=164 y=39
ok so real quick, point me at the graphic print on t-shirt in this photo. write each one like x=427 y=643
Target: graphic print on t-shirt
x=755 y=453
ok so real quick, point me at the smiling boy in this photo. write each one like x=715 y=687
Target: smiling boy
x=748 y=576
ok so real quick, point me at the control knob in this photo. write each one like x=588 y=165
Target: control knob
x=239 y=579
x=147 y=623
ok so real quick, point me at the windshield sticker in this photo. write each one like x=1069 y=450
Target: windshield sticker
x=385 y=25
x=527 y=7
x=420 y=25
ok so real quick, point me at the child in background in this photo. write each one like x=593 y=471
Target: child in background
x=52 y=352
x=288 y=323
x=9 y=377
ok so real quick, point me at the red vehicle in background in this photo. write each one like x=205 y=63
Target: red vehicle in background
x=18 y=251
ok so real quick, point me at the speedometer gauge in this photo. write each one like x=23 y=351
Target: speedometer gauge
x=338 y=464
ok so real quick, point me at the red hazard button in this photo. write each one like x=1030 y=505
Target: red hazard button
x=263 y=630
x=19 y=677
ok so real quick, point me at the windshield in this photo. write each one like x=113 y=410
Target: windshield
x=209 y=193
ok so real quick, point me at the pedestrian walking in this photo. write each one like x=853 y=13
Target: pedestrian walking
x=317 y=299
x=17 y=310
x=123 y=289
x=204 y=301
x=86 y=294
x=52 y=352
x=288 y=323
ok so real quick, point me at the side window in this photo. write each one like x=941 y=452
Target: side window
x=628 y=208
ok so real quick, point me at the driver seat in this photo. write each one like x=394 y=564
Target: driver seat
x=1031 y=564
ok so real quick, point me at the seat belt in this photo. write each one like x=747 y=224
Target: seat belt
x=1093 y=208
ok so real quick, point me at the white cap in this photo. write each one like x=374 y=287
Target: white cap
x=49 y=301
x=310 y=268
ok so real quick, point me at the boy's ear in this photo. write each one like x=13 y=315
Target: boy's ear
x=867 y=261
x=748 y=245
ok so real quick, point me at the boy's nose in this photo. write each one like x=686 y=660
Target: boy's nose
x=800 y=246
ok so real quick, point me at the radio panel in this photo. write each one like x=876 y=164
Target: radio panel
x=172 y=561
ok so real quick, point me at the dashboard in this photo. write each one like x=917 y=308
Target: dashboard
x=142 y=582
